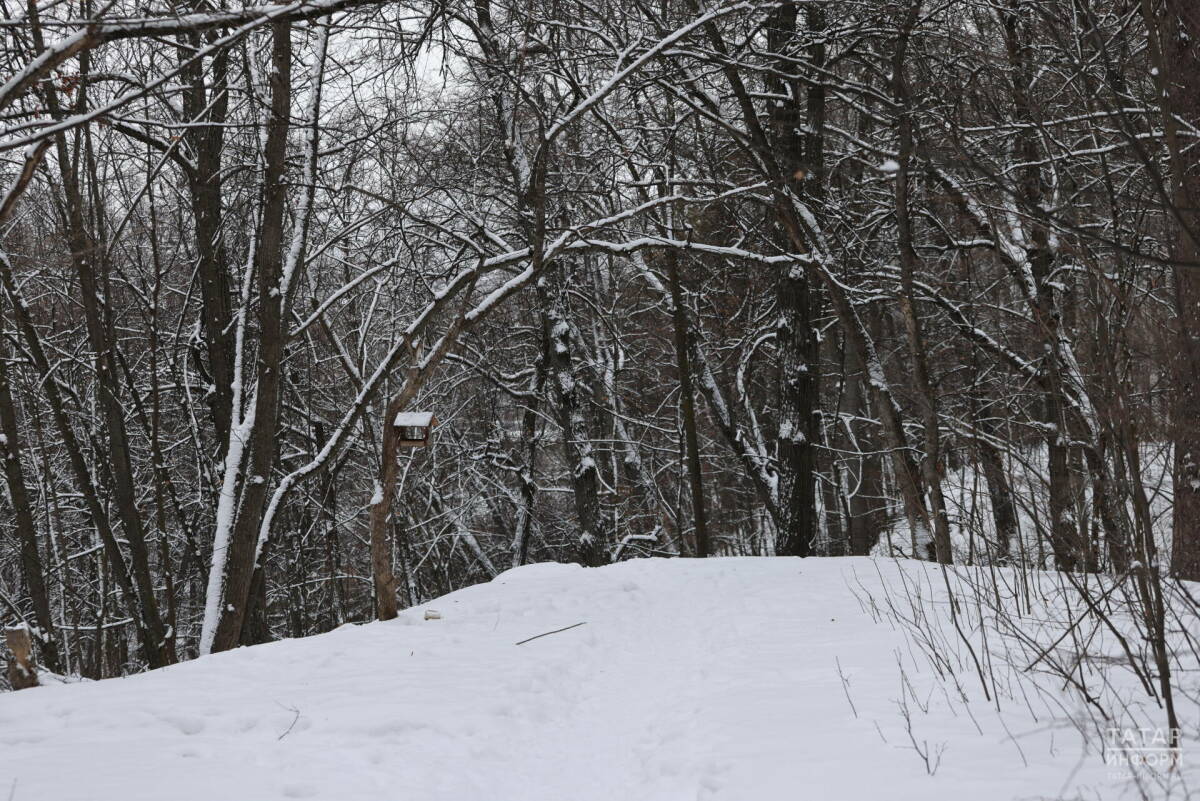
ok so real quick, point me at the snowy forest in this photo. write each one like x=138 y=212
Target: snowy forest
x=312 y=312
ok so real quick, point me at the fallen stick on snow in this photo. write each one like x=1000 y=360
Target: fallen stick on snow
x=556 y=631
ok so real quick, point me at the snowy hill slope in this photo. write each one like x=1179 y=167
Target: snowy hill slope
x=734 y=679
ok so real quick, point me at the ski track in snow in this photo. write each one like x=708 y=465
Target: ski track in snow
x=692 y=680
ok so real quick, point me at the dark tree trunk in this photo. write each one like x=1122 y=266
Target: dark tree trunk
x=1066 y=541
x=687 y=403
x=801 y=158
x=572 y=418
x=1004 y=510
x=91 y=269
x=1180 y=44
x=79 y=467
x=240 y=561
x=382 y=576
x=865 y=504
x=31 y=558
x=209 y=104
x=529 y=420
x=931 y=469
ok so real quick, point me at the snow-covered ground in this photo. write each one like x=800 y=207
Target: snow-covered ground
x=735 y=679
x=969 y=506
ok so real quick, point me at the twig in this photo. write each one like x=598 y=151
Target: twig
x=548 y=633
x=845 y=686
x=289 y=728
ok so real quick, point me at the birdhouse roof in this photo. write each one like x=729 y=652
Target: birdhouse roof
x=414 y=419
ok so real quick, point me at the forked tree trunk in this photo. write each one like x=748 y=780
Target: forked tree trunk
x=241 y=557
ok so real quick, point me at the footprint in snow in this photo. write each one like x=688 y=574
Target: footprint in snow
x=184 y=724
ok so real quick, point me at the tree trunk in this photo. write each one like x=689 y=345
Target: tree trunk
x=31 y=558
x=82 y=475
x=1004 y=510
x=801 y=159
x=209 y=104
x=92 y=270
x=241 y=558
x=1179 y=68
x=1065 y=538
x=572 y=418
x=529 y=418
x=383 y=578
x=931 y=469
x=687 y=404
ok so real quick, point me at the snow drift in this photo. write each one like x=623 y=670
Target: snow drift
x=734 y=679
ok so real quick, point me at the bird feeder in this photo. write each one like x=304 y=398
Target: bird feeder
x=412 y=428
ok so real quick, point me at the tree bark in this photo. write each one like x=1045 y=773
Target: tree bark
x=801 y=160
x=209 y=104
x=1066 y=541
x=572 y=418
x=866 y=502
x=931 y=460
x=31 y=558
x=92 y=270
x=687 y=404
x=1179 y=68
x=383 y=578
x=241 y=558
x=1004 y=510
x=519 y=550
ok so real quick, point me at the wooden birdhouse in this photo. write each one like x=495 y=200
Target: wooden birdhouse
x=412 y=428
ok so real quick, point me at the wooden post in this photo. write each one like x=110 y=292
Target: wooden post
x=22 y=671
